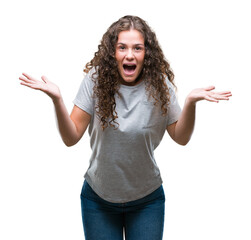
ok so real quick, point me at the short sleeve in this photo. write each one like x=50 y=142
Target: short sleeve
x=84 y=98
x=174 y=109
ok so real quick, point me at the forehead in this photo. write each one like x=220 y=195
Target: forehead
x=130 y=36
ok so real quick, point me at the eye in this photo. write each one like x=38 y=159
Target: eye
x=138 y=48
x=121 y=47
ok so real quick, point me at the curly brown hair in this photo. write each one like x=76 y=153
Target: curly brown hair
x=107 y=78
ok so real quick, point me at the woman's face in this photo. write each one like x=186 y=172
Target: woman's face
x=130 y=53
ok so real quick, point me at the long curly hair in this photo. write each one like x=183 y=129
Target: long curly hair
x=107 y=78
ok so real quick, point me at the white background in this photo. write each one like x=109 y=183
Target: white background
x=207 y=182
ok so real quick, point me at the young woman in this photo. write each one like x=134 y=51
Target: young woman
x=127 y=99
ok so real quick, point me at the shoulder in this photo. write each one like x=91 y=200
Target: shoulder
x=168 y=82
x=170 y=85
x=89 y=78
x=92 y=74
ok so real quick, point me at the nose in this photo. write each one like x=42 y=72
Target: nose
x=130 y=54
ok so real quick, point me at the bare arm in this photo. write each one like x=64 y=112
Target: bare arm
x=181 y=131
x=71 y=127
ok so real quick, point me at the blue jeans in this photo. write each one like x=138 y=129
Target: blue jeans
x=142 y=219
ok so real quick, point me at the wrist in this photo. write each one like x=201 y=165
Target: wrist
x=190 y=101
x=57 y=100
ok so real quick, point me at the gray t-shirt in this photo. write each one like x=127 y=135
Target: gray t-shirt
x=122 y=165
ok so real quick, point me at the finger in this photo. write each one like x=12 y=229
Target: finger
x=222 y=98
x=218 y=96
x=45 y=79
x=26 y=80
x=228 y=95
x=210 y=88
x=30 y=85
x=225 y=93
x=211 y=99
x=28 y=76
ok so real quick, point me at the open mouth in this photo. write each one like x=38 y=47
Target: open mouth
x=129 y=68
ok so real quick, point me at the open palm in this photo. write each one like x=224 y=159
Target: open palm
x=45 y=86
x=209 y=95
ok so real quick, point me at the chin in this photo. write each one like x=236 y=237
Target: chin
x=131 y=81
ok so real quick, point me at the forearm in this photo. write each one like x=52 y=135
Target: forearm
x=66 y=126
x=71 y=127
x=185 y=125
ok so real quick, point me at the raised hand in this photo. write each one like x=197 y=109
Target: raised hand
x=207 y=94
x=45 y=86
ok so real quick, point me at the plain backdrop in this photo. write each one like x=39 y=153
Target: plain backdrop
x=207 y=182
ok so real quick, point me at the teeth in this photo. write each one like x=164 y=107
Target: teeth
x=129 y=64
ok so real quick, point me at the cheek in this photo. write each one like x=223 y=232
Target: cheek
x=141 y=59
x=118 y=57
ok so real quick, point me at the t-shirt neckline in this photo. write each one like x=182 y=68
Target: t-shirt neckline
x=130 y=87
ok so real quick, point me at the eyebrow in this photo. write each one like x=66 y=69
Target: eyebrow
x=137 y=44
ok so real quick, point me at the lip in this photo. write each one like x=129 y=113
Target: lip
x=129 y=63
x=129 y=73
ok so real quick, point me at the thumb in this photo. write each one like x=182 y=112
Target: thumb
x=209 y=88
x=45 y=79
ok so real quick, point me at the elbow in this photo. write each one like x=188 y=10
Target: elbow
x=69 y=143
x=183 y=139
x=183 y=142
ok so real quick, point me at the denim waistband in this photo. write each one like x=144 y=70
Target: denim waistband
x=88 y=192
